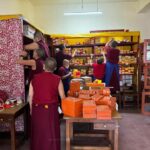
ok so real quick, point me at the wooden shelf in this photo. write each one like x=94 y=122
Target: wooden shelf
x=128 y=54
x=100 y=44
x=126 y=73
x=72 y=66
x=127 y=43
x=90 y=143
x=83 y=55
x=128 y=64
x=147 y=104
x=131 y=46
x=88 y=55
x=27 y=40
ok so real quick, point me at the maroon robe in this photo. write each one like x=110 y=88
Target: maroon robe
x=60 y=56
x=45 y=127
x=112 y=55
x=43 y=45
x=112 y=69
x=39 y=68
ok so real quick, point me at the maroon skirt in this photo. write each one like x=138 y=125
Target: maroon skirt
x=45 y=127
x=114 y=83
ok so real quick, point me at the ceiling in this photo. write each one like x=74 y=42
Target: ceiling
x=45 y=2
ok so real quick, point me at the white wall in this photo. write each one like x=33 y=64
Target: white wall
x=142 y=4
x=119 y=15
x=18 y=7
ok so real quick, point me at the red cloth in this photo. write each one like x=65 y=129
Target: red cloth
x=45 y=127
x=45 y=86
x=112 y=55
x=99 y=71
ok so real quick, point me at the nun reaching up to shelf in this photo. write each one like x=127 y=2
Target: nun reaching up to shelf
x=112 y=66
x=39 y=42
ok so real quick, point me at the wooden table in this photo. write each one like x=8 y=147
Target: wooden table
x=10 y=115
x=111 y=125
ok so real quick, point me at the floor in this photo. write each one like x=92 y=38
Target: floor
x=134 y=133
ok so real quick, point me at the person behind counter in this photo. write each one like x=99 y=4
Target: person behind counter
x=112 y=66
x=43 y=99
x=65 y=74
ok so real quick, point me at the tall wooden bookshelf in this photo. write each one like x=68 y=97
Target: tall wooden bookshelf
x=146 y=70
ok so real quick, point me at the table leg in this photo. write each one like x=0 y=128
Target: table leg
x=116 y=134
x=69 y=134
x=111 y=138
x=26 y=123
x=13 y=135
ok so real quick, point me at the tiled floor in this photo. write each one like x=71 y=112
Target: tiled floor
x=134 y=133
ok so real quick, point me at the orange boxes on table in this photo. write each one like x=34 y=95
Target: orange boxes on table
x=89 y=109
x=97 y=98
x=72 y=107
x=104 y=112
x=85 y=96
x=74 y=89
x=94 y=85
x=105 y=100
x=106 y=91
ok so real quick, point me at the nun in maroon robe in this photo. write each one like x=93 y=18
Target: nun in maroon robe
x=43 y=98
x=112 y=66
x=38 y=43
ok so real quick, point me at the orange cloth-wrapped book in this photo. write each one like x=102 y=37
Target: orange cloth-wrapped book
x=74 y=86
x=85 y=96
x=104 y=112
x=89 y=109
x=106 y=91
x=97 y=98
x=72 y=107
x=113 y=103
x=92 y=84
x=105 y=100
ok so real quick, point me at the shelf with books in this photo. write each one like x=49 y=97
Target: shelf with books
x=27 y=40
x=89 y=48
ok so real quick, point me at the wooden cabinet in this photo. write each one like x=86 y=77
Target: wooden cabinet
x=146 y=70
x=147 y=76
x=146 y=58
x=146 y=102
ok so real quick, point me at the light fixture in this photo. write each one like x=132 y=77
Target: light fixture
x=84 y=13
